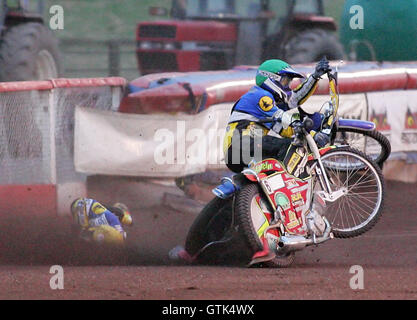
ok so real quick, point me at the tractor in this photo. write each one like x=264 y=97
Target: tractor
x=220 y=34
x=28 y=48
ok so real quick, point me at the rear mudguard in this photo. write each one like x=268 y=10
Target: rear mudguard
x=356 y=124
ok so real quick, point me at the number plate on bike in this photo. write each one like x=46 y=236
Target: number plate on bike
x=273 y=183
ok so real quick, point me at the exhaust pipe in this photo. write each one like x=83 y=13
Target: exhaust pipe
x=293 y=243
x=296 y=243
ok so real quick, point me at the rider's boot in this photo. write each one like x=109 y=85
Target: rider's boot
x=264 y=255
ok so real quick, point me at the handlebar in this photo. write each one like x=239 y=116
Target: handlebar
x=305 y=126
x=332 y=76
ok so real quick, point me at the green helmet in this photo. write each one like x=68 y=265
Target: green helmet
x=274 y=67
x=271 y=73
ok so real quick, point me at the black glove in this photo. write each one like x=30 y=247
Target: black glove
x=321 y=139
x=322 y=67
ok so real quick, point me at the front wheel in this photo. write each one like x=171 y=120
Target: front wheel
x=362 y=183
x=373 y=143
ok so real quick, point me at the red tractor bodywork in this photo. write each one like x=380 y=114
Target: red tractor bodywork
x=177 y=45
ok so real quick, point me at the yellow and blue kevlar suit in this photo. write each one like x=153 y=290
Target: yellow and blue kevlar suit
x=243 y=126
x=97 y=223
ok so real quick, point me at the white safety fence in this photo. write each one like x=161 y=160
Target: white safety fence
x=25 y=140
x=36 y=139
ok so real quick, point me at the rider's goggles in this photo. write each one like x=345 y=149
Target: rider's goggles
x=285 y=81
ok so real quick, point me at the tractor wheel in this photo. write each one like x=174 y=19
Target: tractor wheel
x=312 y=45
x=29 y=51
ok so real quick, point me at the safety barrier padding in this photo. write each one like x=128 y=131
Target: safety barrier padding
x=193 y=92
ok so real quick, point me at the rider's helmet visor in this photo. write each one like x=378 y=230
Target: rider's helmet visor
x=285 y=81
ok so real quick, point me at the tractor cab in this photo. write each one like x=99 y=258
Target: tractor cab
x=219 y=34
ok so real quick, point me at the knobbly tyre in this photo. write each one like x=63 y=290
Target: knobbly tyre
x=272 y=209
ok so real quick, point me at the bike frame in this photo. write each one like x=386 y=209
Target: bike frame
x=334 y=95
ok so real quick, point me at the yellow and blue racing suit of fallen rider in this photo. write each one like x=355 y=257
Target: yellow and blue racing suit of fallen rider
x=96 y=222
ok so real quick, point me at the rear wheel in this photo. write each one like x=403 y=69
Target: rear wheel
x=217 y=211
x=361 y=205
x=212 y=239
x=251 y=220
x=373 y=143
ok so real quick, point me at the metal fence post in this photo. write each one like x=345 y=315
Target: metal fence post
x=114 y=58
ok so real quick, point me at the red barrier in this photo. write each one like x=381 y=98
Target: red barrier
x=412 y=78
x=25 y=86
x=88 y=82
x=368 y=81
x=187 y=92
x=60 y=83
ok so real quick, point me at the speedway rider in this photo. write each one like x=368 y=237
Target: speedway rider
x=94 y=222
x=271 y=97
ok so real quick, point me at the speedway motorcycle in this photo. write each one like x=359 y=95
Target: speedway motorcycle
x=272 y=209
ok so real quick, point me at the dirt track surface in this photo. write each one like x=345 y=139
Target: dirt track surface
x=387 y=254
